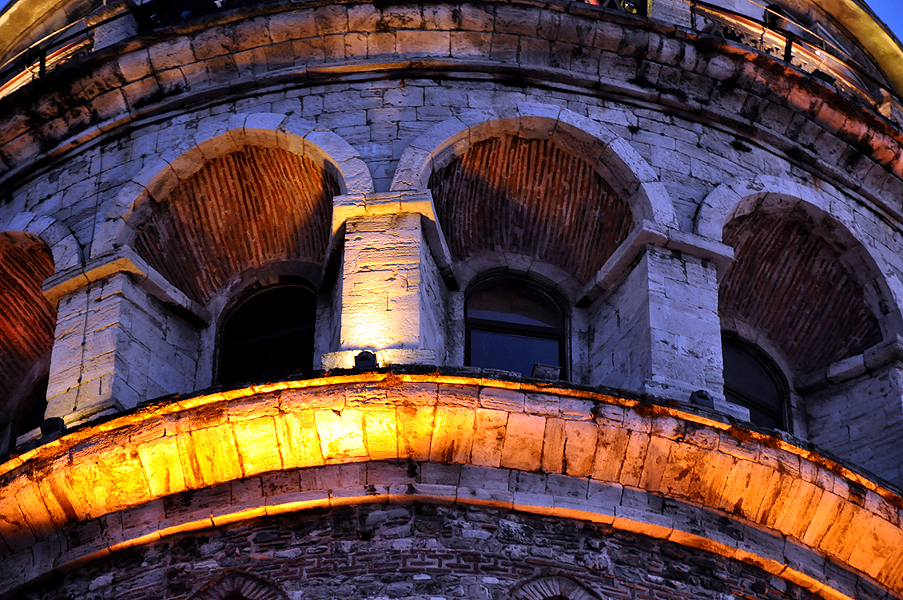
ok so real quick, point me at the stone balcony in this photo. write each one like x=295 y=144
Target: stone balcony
x=683 y=475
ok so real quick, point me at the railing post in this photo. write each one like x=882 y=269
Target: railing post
x=788 y=47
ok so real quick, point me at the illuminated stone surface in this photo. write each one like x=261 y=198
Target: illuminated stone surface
x=755 y=482
x=666 y=178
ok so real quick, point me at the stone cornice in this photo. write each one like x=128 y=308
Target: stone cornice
x=721 y=84
x=645 y=234
x=124 y=260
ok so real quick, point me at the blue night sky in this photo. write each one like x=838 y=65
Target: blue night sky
x=889 y=11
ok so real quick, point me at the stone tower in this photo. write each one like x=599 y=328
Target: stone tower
x=426 y=300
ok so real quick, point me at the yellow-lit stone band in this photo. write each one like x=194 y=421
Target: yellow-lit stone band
x=379 y=437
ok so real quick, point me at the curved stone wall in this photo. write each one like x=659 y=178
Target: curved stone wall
x=447 y=439
x=595 y=52
x=696 y=137
x=441 y=551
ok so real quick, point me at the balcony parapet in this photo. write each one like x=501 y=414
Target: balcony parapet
x=779 y=37
x=688 y=477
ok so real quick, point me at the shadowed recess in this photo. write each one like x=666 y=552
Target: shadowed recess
x=240 y=211
x=790 y=283
x=529 y=196
x=27 y=321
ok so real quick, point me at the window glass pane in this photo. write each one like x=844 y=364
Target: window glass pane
x=512 y=325
x=749 y=382
x=756 y=415
x=516 y=303
x=511 y=352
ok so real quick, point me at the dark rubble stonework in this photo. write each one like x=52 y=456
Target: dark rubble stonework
x=417 y=552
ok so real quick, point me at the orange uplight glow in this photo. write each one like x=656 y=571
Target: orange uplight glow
x=350 y=438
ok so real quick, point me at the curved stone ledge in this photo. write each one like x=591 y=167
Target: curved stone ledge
x=621 y=57
x=592 y=456
x=622 y=508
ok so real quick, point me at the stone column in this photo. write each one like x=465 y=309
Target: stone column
x=393 y=300
x=855 y=409
x=656 y=329
x=116 y=345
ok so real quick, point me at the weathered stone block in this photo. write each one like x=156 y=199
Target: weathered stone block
x=453 y=430
x=170 y=54
x=210 y=455
x=162 y=466
x=553 y=446
x=460 y=395
x=341 y=435
x=634 y=459
x=502 y=399
x=381 y=434
x=415 y=432
x=423 y=43
x=523 y=442
x=580 y=447
x=257 y=447
x=503 y=47
x=489 y=437
x=465 y=44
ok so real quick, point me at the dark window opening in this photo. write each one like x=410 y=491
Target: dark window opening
x=512 y=325
x=751 y=379
x=30 y=414
x=269 y=335
x=37 y=405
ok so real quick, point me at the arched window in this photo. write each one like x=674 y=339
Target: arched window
x=27 y=324
x=269 y=335
x=513 y=324
x=240 y=586
x=555 y=587
x=751 y=379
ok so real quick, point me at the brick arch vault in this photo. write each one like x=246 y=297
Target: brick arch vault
x=621 y=166
x=775 y=195
x=223 y=135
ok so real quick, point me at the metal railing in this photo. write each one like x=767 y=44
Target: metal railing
x=44 y=55
x=785 y=39
x=775 y=34
x=635 y=7
x=166 y=13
